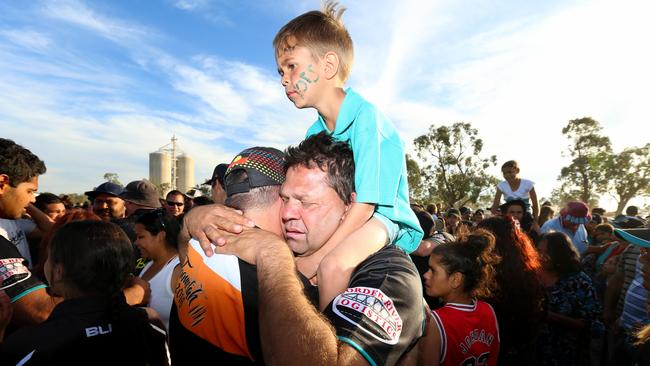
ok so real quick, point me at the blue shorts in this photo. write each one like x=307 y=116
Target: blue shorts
x=392 y=229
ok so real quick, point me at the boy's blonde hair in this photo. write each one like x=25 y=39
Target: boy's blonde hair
x=320 y=32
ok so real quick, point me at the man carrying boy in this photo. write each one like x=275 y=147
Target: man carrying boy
x=314 y=53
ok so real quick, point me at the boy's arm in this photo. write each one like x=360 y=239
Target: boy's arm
x=495 y=204
x=533 y=199
x=358 y=214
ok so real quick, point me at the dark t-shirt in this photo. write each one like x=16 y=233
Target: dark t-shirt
x=15 y=278
x=381 y=313
x=81 y=331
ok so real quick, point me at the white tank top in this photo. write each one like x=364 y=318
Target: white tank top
x=161 y=291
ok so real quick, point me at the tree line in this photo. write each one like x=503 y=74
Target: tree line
x=451 y=168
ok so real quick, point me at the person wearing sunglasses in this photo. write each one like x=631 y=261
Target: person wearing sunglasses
x=175 y=203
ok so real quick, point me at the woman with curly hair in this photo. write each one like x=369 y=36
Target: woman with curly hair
x=518 y=299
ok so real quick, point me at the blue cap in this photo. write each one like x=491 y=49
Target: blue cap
x=638 y=237
x=108 y=188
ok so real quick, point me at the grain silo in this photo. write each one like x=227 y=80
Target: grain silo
x=171 y=168
x=184 y=173
x=160 y=167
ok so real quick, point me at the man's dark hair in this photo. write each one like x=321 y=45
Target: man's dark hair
x=332 y=157
x=18 y=163
x=46 y=198
x=632 y=211
x=174 y=192
x=260 y=197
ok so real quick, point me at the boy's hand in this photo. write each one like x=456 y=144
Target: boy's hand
x=208 y=224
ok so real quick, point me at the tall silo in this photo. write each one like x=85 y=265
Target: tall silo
x=184 y=172
x=160 y=167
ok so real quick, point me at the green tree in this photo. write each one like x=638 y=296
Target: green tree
x=112 y=177
x=589 y=151
x=417 y=191
x=453 y=171
x=628 y=174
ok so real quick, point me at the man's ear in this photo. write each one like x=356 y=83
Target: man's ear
x=353 y=199
x=331 y=65
x=4 y=183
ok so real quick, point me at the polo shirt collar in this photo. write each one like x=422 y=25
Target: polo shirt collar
x=347 y=112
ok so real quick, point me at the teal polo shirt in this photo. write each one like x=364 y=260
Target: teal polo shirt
x=380 y=164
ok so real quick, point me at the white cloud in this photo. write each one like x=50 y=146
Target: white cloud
x=191 y=4
x=27 y=38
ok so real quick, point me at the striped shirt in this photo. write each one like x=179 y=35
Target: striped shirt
x=636 y=298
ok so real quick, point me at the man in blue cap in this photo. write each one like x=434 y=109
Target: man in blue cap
x=106 y=201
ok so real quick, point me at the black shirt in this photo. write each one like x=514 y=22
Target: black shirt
x=381 y=313
x=89 y=331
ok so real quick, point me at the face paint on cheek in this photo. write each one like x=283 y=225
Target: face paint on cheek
x=301 y=90
x=303 y=75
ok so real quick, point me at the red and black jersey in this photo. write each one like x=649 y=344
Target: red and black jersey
x=469 y=334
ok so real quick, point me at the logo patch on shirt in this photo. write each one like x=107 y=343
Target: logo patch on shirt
x=12 y=271
x=370 y=310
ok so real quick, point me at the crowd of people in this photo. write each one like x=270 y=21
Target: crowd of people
x=315 y=256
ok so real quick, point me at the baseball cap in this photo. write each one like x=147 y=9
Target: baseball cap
x=109 y=188
x=576 y=212
x=141 y=192
x=639 y=237
x=218 y=174
x=263 y=165
x=452 y=212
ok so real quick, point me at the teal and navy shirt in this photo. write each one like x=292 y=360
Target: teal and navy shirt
x=380 y=164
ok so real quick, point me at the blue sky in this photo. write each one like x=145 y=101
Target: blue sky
x=93 y=87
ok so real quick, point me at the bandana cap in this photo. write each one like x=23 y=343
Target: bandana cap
x=263 y=165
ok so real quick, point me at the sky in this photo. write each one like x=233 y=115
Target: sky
x=94 y=87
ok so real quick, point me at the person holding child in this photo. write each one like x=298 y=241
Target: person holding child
x=314 y=54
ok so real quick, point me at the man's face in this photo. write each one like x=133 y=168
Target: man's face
x=174 y=204
x=14 y=200
x=108 y=207
x=516 y=212
x=55 y=210
x=311 y=210
x=452 y=221
x=218 y=193
x=570 y=226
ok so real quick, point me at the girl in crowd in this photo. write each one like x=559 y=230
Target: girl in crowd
x=573 y=310
x=519 y=296
x=515 y=187
x=465 y=330
x=156 y=237
x=88 y=264
x=546 y=213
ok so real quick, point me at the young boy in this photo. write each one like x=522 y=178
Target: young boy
x=314 y=54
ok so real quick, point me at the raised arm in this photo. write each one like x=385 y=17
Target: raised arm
x=496 y=202
x=292 y=331
x=534 y=202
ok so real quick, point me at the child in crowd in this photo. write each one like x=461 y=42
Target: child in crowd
x=459 y=272
x=314 y=54
x=515 y=187
x=88 y=264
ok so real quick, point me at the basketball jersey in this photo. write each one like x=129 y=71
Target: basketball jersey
x=469 y=334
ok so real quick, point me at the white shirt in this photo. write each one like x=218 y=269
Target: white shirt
x=523 y=192
x=162 y=293
x=13 y=231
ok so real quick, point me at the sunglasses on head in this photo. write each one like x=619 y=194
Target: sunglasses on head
x=172 y=203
